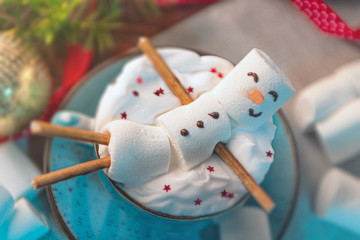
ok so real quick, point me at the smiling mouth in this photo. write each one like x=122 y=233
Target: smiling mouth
x=251 y=113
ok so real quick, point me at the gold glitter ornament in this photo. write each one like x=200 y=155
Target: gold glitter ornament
x=24 y=84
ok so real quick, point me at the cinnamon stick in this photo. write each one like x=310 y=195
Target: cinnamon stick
x=70 y=172
x=43 y=128
x=163 y=69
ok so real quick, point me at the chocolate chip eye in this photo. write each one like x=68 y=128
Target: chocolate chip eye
x=274 y=94
x=254 y=75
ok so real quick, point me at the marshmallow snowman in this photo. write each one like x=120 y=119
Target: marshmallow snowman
x=164 y=170
x=185 y=136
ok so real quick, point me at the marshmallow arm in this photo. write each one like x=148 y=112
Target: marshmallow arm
x=193 y=132
x=138 y=152
x=340 y=133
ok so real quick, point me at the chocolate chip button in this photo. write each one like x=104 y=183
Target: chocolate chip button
x=184 y=132
x=200 y=124
x=214 y=115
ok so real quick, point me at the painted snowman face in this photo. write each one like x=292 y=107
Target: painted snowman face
x=254 y=90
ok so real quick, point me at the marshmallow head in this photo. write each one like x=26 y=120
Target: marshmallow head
x=254 y=90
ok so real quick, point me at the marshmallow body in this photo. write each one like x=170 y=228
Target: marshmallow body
x=195 y=129
x=6 y=203
x=23 y=223
x=138 y=152
x=255 y=71
x=340 y=132
x=16 y=171
x=338 y=199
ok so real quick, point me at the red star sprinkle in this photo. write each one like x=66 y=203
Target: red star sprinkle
x=211 y=169
x=123 y=115
x=135 y=93
x=269 y=154
x=220 y=75
x=190 y=89
x=139 y=80
x=161 y=91
x=167 y=188
x=198 y=202
x=158 y=92
x=224 y=193
x=213 y=70
x=230 y=195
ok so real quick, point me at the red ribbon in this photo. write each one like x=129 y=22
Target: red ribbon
x=326 y=19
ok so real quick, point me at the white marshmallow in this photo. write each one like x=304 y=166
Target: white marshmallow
x=138 y=152
x=340 y=132
x=23 y=223
x=16 y=171
x=320 y=99
x=245 y=223
x=233 y=92
x=199 y=144
x=338 y=199
x=6 y=203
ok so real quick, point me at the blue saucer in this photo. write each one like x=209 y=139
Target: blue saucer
x=85 y=205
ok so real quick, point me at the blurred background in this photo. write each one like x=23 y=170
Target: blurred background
x=47 y=47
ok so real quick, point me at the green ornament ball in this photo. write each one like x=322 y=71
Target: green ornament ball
x=25 y=85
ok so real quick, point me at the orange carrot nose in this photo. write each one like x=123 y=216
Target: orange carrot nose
x=256 y=96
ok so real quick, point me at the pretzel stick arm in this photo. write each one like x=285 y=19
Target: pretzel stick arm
x=70 y=172
x=50 y=130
